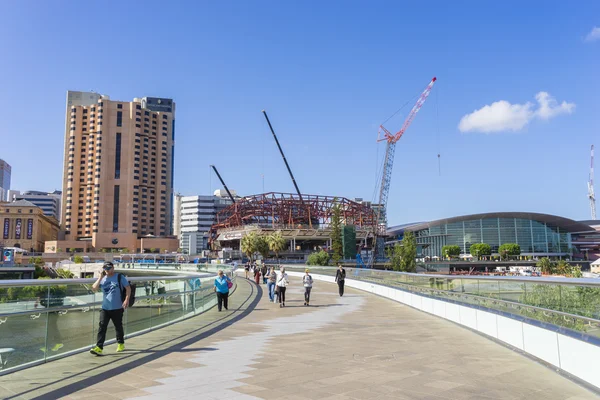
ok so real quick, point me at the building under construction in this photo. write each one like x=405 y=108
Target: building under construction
x=305 y=221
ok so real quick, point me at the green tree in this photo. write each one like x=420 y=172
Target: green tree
x=153 y=250
x=509 y=249
x=450 y=251
x=277 y=243
x=563 y=268
x=71 y=250
x=262 y=246
x=336 y=233
x=395 y=256
x=479 y=250
x=248 y=245
x=408 y=253
x=78 y=260
x=546 y=266
x=320 y=258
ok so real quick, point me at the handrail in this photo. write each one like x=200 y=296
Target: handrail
x=83 y=281
x=593 y=282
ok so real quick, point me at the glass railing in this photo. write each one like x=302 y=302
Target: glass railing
x=44 y=319
x=570 y=304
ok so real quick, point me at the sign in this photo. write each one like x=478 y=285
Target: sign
x=7 y=256
x=6 y=227
x=18 y=229
x=29 y=228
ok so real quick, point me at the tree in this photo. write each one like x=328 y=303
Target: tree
x=395 y=256
x=153 y=250
x=248 y=245
x=478 y=250
x=563 y=268
x=509 y=249
x=408 y=253
x=262 y=246
x=71 y=250
x=78 y=260
x=450 y=251
x=320 y=258
x=336 y=233
x=546 y=266
x=277 y=243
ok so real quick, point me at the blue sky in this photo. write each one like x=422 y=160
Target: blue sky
x=328 y=73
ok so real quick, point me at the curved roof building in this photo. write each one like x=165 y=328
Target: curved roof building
x=537 y=234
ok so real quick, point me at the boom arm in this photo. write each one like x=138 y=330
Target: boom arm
x=223 y=182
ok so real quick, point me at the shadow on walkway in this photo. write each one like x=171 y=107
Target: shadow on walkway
x=245 y=308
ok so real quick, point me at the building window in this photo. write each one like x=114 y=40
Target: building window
x=119 y=118
x=119 y=105
x=118 y=157
x=116 y=209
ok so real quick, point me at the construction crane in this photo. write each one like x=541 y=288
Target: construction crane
x=591 y=194
x=388 y=162
x=223 y=183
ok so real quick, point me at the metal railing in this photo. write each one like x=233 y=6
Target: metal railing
x=568 y=305
x=44 y=319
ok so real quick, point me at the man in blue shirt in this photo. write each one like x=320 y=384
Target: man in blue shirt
x=222 y=289
x=113 y=306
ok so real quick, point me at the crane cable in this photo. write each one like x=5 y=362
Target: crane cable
x=437 y=123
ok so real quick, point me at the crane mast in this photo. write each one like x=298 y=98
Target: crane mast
x=591 y=194
x=223 y=183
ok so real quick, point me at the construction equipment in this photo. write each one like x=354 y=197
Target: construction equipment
x=283 y=156
x=591 y=194
x=223 y=183
x=388 y=163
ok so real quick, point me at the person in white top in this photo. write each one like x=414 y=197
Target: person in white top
x=282 y=282
x=307 y=280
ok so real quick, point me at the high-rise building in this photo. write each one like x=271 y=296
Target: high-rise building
x=197 y=216
x=5 y=171
x=48 y=202
x=118 y=170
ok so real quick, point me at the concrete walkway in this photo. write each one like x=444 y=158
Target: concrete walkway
x=356 y=347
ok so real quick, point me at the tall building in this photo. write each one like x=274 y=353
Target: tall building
x=48 y=202
x=197 y=216
x=5 y=171
x=118 y=170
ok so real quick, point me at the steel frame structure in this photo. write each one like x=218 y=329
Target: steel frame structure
x=276 y=210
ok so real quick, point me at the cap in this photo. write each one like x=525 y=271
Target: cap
x=107 y=264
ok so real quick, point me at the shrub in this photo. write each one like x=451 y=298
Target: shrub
x=320 y=258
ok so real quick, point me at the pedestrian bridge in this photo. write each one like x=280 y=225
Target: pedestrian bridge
x=391 y=336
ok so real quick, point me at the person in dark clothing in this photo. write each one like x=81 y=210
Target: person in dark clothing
x=263 y=272
x=307 y=280
x=340 y=277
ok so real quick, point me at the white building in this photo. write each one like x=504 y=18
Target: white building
x=197 y=214
x=48 y=202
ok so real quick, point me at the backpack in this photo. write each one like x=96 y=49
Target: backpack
x=124 y=291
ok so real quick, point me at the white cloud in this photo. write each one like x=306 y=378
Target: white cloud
x=504 y=116
x=593 y=35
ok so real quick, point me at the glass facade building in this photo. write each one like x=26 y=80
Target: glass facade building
x=536 y=234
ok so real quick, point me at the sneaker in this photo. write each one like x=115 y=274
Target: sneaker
x=57 y=347
x=284 y=304
x=304 y=303
x=120 y=347
x=280 y=305
x=43 y=349
x=96 y=350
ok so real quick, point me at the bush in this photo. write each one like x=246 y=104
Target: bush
x=321 y=258
x=78 y=260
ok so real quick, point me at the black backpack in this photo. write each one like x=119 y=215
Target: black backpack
x=124 y=291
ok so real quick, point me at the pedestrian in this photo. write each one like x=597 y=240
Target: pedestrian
x=113 y=305
x=247 y=269
x=282 y=282
x=263 y=272
x=257 y=275
x=340 y=277
x=272 y=279
x=307 y=280
x=222 y=284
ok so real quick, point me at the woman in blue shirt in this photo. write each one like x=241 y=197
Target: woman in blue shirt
x=222 y=289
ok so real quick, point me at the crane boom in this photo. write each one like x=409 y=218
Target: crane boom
x=223 y=182
x=591 y=194
x=283 y=156
x=388 y=163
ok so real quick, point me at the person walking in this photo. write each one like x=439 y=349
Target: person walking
x=263 y=272
x=271 y=280
x=257 y=275
x=247 y=269
x=340 y=277
x=222 y=283
x=282 y=282
x=113 y=305
x=307 y=280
